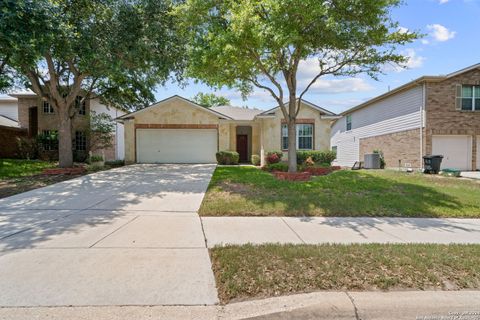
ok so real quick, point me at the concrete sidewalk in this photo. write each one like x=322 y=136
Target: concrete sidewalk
x=317 y=230
x=459 y=305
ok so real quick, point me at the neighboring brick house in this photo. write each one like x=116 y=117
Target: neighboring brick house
x=40 y=119
x=430 y=115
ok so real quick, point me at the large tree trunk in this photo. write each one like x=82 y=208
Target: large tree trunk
x=292 y=133
x=292 y=146
x=65 y=154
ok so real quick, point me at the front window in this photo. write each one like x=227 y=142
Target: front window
x=470 y=98
x=49 y=140
x=80 y=105
x=304 y=136
x=47 y=107
x=80 y=141
x=349 y=122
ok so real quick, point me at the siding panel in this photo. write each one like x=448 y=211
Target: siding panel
x=396 y=113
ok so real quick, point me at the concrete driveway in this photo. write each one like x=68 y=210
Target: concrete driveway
x=128 y=236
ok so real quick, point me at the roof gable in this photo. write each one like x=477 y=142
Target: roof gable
x=160 y=103
x=304 y=102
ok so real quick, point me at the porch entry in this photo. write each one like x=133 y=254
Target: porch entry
x=244 y=142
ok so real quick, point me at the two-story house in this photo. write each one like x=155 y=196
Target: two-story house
x=40 y=118
x=430 y=115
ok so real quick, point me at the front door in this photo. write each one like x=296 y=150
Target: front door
x=242 y=147
x=33 y=121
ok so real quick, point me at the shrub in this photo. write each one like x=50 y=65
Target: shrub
x=227 y=157
x=382 y=158
x=27 y=147
x=273 y=157
x=96 y=158
x=255 y=159
x=279 y=166
x=323 y=157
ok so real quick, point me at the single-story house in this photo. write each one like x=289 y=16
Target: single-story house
x=177 y=130
x=437 y=115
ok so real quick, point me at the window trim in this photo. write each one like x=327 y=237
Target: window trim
x=50 y=107
x=347 y=122
x=473 y=98
x=84 y=140
x=299 y=122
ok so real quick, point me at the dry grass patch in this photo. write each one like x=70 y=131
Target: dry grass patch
x=245 y=272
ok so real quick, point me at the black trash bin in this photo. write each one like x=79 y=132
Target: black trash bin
x=432 y=163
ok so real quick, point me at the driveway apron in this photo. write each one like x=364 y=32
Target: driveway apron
x=127 y=236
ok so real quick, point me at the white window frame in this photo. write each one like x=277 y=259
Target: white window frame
x=473 y=98
x=47 y=108
x=297 y=128
x=80 y=141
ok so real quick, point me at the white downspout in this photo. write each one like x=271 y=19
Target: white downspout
x=422 y=110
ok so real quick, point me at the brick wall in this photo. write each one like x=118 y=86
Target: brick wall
x=441 y=116
x=403 y=145
x=8 y=136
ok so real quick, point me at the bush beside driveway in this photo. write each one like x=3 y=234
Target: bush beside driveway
x=248 y=191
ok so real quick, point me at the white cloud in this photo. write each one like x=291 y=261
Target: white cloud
x=443 y=1
x=402 y=30
x=440 y=33
x=340 y=85
x=309 y=68
x=414 y=60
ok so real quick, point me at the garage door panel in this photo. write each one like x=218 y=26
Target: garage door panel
x=456 y=151
x=176 y=145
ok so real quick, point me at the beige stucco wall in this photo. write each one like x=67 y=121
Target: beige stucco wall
x=271 y=130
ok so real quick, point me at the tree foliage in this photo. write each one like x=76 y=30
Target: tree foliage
x=114 y=49
x=209 y=100
x=260 y=43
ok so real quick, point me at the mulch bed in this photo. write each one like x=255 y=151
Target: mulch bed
x=65 y=171
x=306 y=174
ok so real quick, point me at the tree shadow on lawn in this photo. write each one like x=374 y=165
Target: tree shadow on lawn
x=350 y=194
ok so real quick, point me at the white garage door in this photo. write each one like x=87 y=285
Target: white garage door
x=176 y=145
x=456 y=151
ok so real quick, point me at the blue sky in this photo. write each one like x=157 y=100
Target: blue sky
x=452 y=42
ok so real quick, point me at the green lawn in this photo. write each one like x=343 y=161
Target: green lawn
x=248 y=271
x=13 y=168
x=248 y=191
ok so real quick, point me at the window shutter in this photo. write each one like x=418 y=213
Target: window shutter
x=458 y=97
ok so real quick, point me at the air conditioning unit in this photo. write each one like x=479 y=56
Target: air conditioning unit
x=372 y=161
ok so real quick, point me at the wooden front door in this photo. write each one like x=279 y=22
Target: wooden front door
x=242 y=147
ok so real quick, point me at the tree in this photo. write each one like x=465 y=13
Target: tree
x=100 y=133
x=260 y=43
x=209 y=100
x=114 y=49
